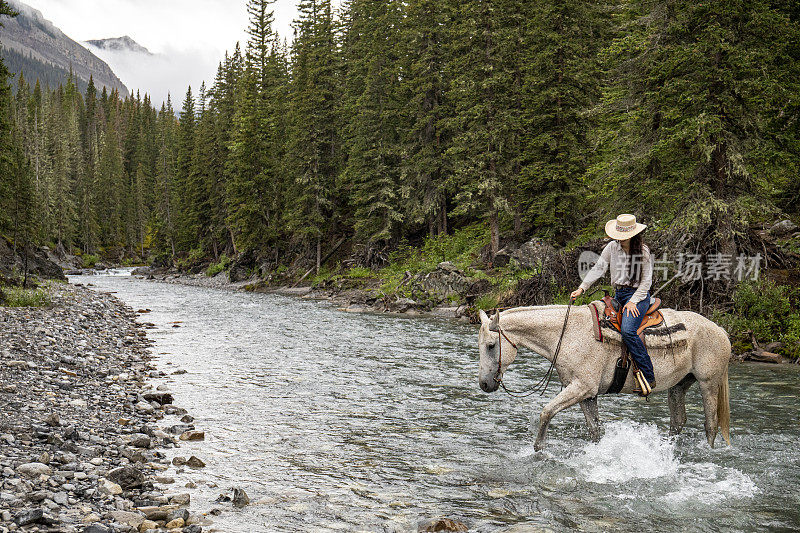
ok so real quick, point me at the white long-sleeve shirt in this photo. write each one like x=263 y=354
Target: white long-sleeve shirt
x=614 y=255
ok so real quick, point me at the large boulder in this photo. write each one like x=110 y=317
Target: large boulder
x=532 y=253
x=12 y=262
x=784 y=227
x=243 y=267
x=445 y=281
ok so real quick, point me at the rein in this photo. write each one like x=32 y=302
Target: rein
x=544 y=382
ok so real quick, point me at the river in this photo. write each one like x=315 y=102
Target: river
x=359 y=422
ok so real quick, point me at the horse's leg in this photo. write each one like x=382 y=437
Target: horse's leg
x=709 y=389
x=589 y=406
x=677 y=404
x=568 y=397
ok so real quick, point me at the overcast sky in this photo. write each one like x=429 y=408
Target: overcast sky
x=190 y=37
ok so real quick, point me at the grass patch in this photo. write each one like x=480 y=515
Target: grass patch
x=360 y=273
x=19 y=297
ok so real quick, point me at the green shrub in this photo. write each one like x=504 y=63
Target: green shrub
x=215 y=268
x=195 y=257
x=767 y=309
x=487 y=302
x=360 y=273
x=19 y=297
x=461 y=249
x=89 y=260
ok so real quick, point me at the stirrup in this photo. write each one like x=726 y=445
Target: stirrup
x=641 y=385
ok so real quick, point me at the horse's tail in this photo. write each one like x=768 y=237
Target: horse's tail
x=724 y=408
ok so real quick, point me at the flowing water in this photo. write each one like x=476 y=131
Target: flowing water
x=359 y=422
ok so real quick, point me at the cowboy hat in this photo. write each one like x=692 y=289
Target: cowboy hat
x=624 y=227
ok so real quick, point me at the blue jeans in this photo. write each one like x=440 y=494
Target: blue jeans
x=630 y=324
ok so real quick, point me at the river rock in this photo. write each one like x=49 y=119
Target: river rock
x=240 y=498
x=140 y=441
x=442 y=524
x=34 y=469
x=193 y=528
x=96 y=528
x=180 y=499
x=108 y=488
x=148 y=525
x=127 y=477
x=30 y=516
x=183 y=514
x=178 y=522
x=195 y=462
x=126 y=517
x=193 y=435
x=161 y=398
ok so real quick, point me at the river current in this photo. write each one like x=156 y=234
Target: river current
x=334 y=421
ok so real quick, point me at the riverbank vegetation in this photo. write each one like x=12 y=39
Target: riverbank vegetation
x=391 y=137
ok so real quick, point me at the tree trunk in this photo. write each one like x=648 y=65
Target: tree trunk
x=495 y=225
x=319 y=254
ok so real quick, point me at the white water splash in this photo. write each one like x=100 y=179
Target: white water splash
x=627 y=451
x=707 y=483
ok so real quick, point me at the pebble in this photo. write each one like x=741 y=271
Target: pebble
x=34 y=469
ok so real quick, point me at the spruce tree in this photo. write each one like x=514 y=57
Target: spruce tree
x=313 y=140
x=372 y=139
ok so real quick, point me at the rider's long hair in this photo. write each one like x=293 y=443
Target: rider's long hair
x=635 y=266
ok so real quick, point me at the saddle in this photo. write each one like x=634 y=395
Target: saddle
x=612 y=316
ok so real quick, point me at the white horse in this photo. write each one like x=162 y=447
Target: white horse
x=586 y=366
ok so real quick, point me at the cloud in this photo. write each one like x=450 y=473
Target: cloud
x=188 y=37
x=158 y=75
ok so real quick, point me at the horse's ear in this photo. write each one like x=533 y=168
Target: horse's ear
x=494 y=325
x=484 y=318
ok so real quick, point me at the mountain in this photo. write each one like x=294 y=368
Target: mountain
x=33 y=45
x=119 y=44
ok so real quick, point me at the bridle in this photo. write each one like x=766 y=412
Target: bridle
x=544 y=382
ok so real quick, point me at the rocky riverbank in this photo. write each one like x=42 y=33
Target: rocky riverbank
x=80 y=444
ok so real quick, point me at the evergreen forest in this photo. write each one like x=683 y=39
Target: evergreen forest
x=386 y=124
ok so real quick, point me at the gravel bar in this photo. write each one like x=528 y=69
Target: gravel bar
x=80 y=445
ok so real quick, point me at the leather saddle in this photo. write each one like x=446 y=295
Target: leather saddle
x=612 y=314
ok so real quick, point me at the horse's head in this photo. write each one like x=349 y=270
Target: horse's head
x=492 y=343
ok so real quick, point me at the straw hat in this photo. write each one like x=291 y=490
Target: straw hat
x=624 y=227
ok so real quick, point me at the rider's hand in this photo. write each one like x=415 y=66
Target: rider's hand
x=631 y=308
x=577 y=292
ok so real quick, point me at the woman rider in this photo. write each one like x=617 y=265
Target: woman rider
x=631 y=276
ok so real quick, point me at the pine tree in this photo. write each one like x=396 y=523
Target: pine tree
x=256 y=185
x=186 y=232
x=427 y=111
x=487 y=120
x=313 y=138
x=561 y=84
x=700 y=93
x=165 y=189
x=371 y=50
